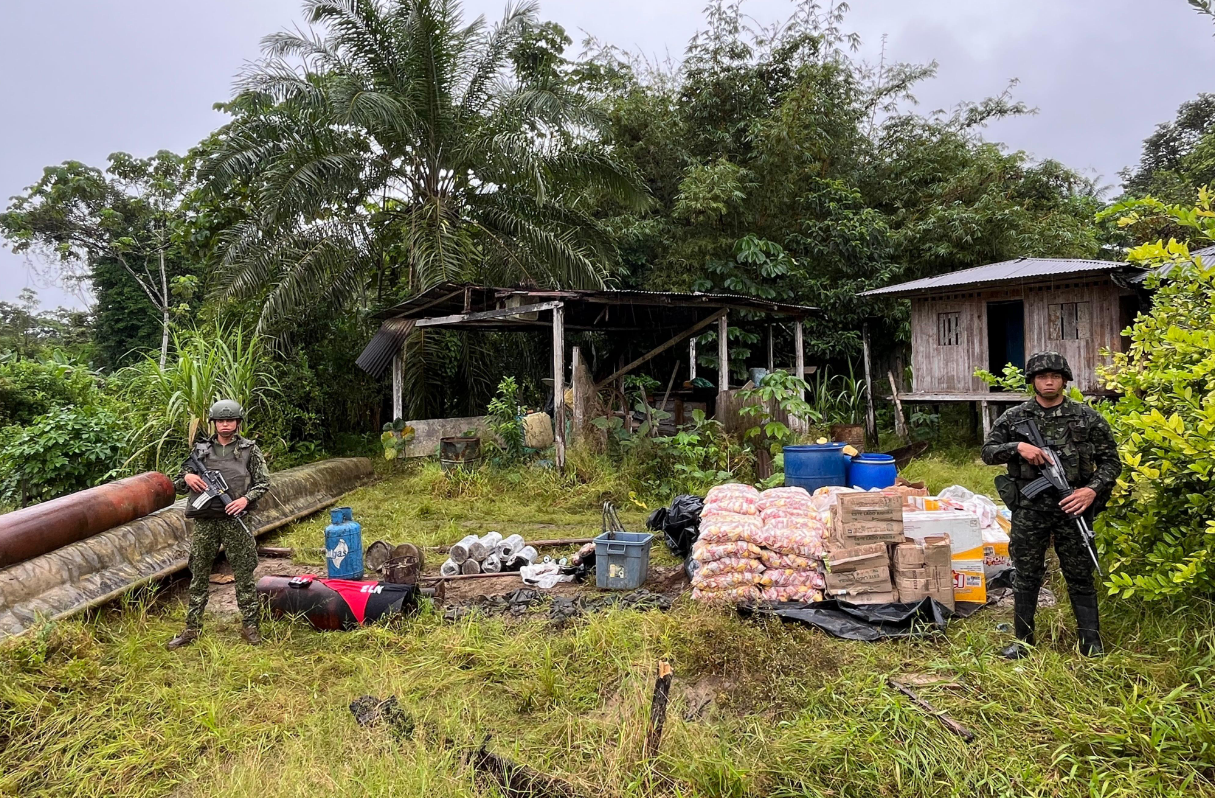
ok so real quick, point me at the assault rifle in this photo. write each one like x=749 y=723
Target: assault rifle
x=1053 y=476
x=217 y=488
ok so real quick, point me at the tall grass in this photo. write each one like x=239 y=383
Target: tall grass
x=207 y=365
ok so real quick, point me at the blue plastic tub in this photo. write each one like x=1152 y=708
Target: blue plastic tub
x=622 y=560
x=872 y=471
x=815 y=465
x=343 y=545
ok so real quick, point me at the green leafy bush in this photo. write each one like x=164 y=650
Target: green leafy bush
x=1159 y=532
x=505 y=420
x=64 y=451
x=32 y=388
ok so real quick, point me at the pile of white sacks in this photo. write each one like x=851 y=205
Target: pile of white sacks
x=758 y=546
x=490 y=553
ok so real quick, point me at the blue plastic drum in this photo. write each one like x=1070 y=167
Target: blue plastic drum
x=873 y=471
x=815 y=465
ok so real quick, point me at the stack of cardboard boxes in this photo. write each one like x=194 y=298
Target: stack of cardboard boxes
x=880 y=551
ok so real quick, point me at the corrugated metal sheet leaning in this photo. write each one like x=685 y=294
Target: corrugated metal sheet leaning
x=104 y=566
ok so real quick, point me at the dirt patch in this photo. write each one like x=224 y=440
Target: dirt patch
x=222 y=600
x=698 y=696
x=668 y=581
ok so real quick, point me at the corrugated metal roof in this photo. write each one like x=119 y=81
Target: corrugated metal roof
x=1005 y=271
x=1206 y=253
x=377 y=356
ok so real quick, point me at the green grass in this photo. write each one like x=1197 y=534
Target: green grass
x=96 y=706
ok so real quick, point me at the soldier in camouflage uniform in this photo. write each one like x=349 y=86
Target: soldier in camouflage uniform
x=244 y=469
x=1085 y=445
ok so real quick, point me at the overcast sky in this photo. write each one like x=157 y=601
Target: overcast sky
x=84 y=79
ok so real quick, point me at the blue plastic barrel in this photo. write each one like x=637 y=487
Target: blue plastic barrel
x=812 y=466
x=344 y=545
x=872 y=471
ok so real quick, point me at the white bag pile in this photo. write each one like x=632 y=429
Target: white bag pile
x=726 y=554
x=792 y=546
x=758 y=546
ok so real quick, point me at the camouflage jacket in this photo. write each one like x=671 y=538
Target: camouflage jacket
x=1076 y=431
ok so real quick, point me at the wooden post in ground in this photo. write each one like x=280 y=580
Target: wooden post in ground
x=398 y=383
x=579 y=400
x=723 y=354
x=799 y=353
x=870 y=413
x=658 y=709
x=771 y=348
x=692 y=358
x=559 y=386
x=900 y=423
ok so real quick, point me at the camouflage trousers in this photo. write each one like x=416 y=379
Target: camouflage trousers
x=241 y=548
x=1032 y=533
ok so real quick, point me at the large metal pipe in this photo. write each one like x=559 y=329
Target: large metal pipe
x=42 y=528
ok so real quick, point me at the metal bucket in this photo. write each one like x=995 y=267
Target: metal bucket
x=459 y=452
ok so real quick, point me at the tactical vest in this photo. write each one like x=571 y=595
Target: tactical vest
x=1067 y=432
x=235 y=470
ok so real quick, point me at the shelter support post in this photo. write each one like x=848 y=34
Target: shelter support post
x=579 y=399
x=985 y=412
x=870 y=413
x=723 y=354
x=771 y=349
x=799 y=353
x=398 y=383
x=692 y=358
x=559 y=386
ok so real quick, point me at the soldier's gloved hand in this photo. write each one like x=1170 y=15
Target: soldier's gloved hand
x=1079 y=501
x=237 y=506
x=1031 y=454
x=195 y=483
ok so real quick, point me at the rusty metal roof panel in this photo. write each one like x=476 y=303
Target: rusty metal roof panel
x=1021 y=270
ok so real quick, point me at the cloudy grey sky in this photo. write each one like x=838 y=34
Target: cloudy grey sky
x=84 y=79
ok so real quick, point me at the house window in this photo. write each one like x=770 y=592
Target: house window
x=949 y=329
x=1069 y=321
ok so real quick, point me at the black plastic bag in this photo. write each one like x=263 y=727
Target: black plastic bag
x=866 y=622
x=679 y=523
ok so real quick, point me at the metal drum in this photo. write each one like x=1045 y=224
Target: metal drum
x=459 y=452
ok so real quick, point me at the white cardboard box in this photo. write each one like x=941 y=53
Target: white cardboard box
x=965 y=534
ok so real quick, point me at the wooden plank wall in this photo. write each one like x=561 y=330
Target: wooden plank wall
x=949 y=369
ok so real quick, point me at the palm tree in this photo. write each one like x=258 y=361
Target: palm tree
x=391 y=147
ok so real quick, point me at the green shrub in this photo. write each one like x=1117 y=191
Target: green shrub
x=505 y=420
x=1159 y=532
x=31 y=388
x=64 y=451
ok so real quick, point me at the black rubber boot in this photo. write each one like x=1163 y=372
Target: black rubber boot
x=1025 y=606
x=251 y=635
x=184 y=639
x=1088 y=627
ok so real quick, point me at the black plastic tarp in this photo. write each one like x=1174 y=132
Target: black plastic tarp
x=866 y=622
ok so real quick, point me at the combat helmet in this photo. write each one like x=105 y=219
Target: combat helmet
x=1047 y=361
x=226 y=409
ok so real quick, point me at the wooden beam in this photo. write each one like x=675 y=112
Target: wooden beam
x=486 y=314
x=576 y=385
x=870 y=413
x=900 y=423
x=398 y=383
x=723 y=353
x=692 y=358
x=559 y=384
x=695 y=328
x=799 y=352
x=771 y=348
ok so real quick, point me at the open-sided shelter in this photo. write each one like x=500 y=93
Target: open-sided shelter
x=660 y=319
x=988 y=316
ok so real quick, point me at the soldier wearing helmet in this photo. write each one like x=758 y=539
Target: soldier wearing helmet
x=244 y=469
x=1085 y=444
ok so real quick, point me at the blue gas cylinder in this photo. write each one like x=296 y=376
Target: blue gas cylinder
x=344 y=545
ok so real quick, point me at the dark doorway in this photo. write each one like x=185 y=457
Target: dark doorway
x=1128 y=309
x=1005 y=335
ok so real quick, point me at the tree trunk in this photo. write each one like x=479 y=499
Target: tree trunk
x=164 y=312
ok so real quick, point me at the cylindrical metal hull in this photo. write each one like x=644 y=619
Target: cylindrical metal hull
x=33 y=531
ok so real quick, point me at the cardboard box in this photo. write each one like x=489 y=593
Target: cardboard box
x=872 y=598
x=868 y=506
x=962 y=528
x=969 y=581
x=911 y=590
x=938 y=552
x=857 y=558
x=907 y=556
x=870 y=580
x=924 y=502
x=846 y=534
x=943 y=597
